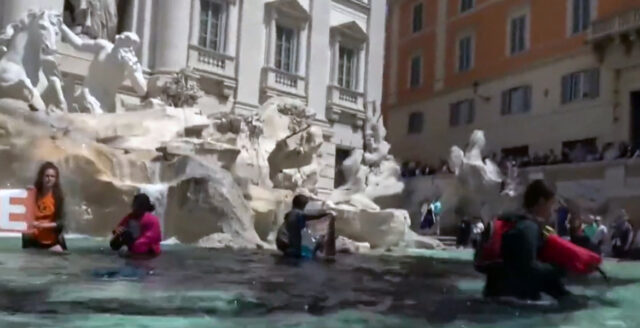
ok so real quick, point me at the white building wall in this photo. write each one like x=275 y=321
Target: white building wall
x=167 y=29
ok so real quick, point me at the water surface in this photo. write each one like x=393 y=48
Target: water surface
x=191 y=287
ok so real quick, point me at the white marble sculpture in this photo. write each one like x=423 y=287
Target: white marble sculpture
x=111 y=65
x=93 y=19
x=373 y=172
x=480 y=189
x=27 y=49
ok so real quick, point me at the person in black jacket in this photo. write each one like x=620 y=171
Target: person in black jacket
x=525 y=276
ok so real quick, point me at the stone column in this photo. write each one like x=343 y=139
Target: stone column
x=194 y=31
x=250 y=58
x=375 y=64
x=232 y=26
x=171 y=34
x=319 y=57
x=302 y=52
x=12 y=10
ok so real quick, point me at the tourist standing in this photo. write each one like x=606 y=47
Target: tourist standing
x=45 y=232
x=622 y=236
x=601 y=234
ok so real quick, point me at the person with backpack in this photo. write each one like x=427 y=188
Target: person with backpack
x=510 y=249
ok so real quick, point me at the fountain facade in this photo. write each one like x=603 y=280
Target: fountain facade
x=220 y=180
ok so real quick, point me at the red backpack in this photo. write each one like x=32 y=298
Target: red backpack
x=489 y=251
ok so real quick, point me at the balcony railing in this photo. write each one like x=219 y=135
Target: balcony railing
x=624 y=22
x=210 y=61
x=278 y=81
x=350 y=99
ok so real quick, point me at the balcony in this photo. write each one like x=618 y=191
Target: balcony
x=613 y=26
x=280 y=83
x=342 y=101
x=214 y=66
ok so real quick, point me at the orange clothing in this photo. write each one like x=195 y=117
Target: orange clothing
x=45 y=213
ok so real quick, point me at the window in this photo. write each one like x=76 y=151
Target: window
x=212 y=25
x=581 y=85
x=516 y=100
x=465 y=54
x=417 y=18
x=286 y=51
x=581 y=13
x=518 y=36
x=415 y=123
x=347 y=68
x=341 y=155
x=462 y=113
x=416 y=71
x=466 y=5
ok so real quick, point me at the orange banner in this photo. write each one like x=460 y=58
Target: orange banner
x=17 y=209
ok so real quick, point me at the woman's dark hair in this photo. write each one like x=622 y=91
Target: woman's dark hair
x=536 y=191
x=58 y=196
x=300 y=201
x=143 y=202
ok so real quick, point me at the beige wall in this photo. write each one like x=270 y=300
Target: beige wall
x=546 y=126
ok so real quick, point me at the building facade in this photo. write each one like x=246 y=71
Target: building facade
x=535 y=75
x=326 y=53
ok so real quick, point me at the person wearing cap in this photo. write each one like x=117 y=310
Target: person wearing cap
x=140 y=230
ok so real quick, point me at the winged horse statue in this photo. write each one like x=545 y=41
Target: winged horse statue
x=26 y=50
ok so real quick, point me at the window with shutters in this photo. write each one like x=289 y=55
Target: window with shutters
x=212 y=25
x=415 y=78
x=581 y=15
x=518 y=34
x=286 y=49
x=418 y=14
x=415 y=123
x=465 y=53
x=581 y=85
x=347 y=68
x=516 y=100
x=462 y=113
x=466 y=5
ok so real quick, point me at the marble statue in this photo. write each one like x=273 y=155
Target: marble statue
x=27 y=49
x=372 y=172
x=112 y=64
x=480 y=188
x=93 y=19
x=181 y=91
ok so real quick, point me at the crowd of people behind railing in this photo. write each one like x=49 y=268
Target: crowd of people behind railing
x=581 y=153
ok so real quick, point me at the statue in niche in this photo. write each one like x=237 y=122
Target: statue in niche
x=112 y=64
x=27 y=50
x=92 y=19
x=372 y=172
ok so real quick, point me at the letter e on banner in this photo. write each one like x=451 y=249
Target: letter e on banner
x=16 y=209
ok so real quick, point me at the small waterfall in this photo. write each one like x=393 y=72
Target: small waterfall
x=158 y=194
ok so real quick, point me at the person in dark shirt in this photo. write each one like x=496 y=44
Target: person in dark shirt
x=526 y=276
x=290 y=234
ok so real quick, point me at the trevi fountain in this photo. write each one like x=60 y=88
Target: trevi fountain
x=222 y=183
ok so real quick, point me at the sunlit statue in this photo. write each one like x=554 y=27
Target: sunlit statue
x=27 y=49
x=112 y=64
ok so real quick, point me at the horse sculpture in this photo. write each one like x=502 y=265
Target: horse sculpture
x=27 y=49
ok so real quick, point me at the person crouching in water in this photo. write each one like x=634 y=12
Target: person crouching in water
x=140 y=230
x=45 y=232
x=517 y=272
x=290 y=234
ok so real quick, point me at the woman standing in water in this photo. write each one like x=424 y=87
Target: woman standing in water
x=45 y=232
